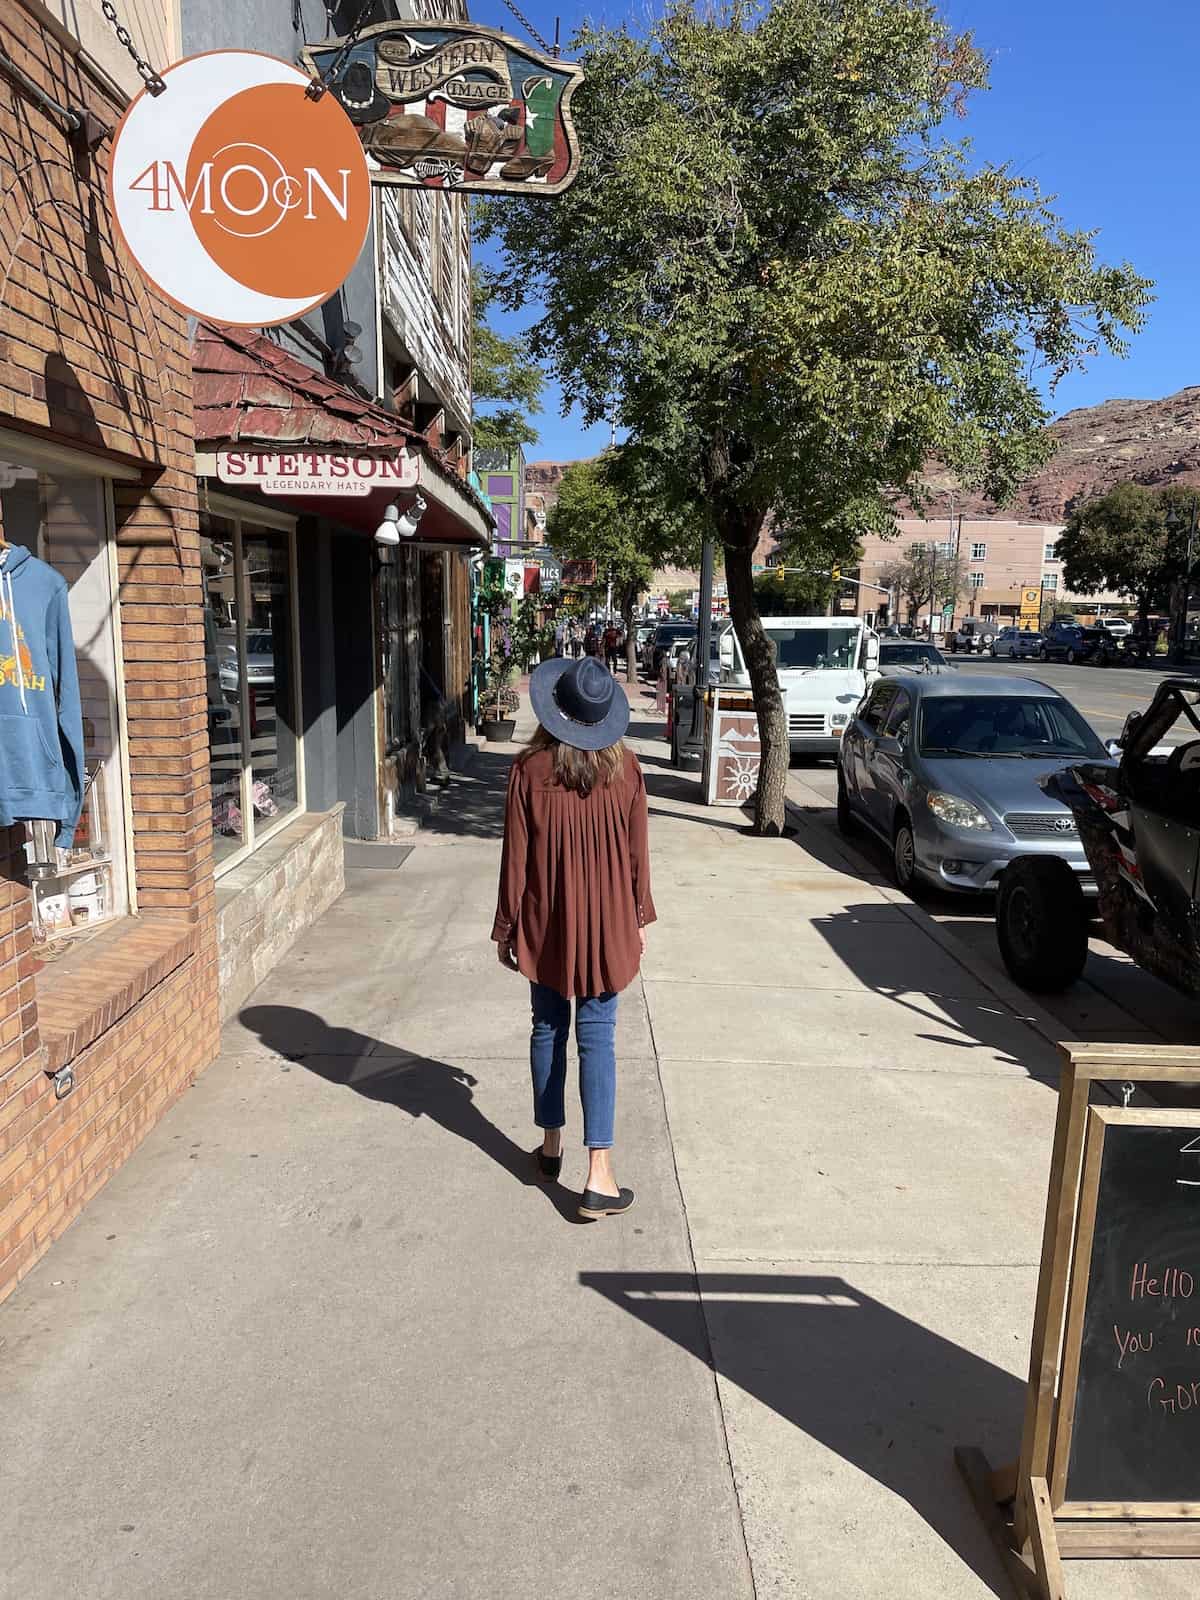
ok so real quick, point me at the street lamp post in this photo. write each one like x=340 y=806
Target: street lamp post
x=1179 y=644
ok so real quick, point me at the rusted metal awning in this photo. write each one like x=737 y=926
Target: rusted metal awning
x=248 y=392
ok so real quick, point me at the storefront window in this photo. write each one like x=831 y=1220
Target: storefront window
x=226 y=767
x=62 y=519
x=270 y=673
x=253 y=682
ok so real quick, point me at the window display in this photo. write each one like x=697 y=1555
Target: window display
x=226 y=772
x=61 y=764
x=253 y=685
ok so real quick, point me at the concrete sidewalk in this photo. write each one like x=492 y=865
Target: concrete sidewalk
x=323 y=1337
x=862 y=1130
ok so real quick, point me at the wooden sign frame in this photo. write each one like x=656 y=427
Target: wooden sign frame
x=455 y=106
x=1024 y=1505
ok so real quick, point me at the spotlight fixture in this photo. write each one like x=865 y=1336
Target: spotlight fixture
x=395 y=527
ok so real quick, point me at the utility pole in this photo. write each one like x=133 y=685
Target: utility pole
x=703 y=635
x=1179 y=644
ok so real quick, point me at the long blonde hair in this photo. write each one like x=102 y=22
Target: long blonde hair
x=581 y=770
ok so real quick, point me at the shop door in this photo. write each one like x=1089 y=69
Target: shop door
x=433 y=628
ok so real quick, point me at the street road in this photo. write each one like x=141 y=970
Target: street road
x=1105 y=695
x=1114 y=1002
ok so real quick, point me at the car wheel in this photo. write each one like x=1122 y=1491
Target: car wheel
x=1070 y=658
x=1042 y=924
x=904 y=856
x=846 y=820
x=1043 y=654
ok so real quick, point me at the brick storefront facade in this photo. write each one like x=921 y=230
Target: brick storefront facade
x=94 y=371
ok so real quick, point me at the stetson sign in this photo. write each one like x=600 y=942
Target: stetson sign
x=455 y=106
x=316 y=472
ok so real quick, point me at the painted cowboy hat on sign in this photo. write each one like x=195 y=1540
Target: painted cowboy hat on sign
x=357 y=95
x=579 y=702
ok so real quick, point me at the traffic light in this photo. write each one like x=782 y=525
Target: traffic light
x=836 y=574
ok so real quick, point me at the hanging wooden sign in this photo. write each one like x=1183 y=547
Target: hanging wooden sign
x=1110 y=1454
x=455 y=106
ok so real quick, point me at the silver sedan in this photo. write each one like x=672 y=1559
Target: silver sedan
x=945 y=770
x=1015 y=644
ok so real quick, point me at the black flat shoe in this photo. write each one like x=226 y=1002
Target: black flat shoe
x=548 y=1166
x=593 y=1206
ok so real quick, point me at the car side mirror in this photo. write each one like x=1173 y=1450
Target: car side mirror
x=871 y=653
x=889 y=745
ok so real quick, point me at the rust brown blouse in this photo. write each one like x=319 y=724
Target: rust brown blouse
x=574 y=879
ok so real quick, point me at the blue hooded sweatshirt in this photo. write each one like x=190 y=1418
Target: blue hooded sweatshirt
x=41 y=723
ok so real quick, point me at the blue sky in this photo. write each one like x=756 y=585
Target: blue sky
x=1097 y=99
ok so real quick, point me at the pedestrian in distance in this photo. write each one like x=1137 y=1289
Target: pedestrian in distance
x=591 y=641
x=612 y=644
x=560 y=638
x=574 y=903
x=576 y=639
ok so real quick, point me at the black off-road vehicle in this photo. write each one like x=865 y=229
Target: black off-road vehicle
x=1140 y=826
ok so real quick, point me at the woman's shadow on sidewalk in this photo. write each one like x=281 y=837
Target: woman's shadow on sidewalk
x=392 y=1076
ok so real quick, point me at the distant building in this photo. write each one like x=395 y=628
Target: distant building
x=999 y=557
x=502 y=473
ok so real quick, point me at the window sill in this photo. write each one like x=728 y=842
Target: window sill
x=87 y=992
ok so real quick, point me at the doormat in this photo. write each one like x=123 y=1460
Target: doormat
x=385 y=856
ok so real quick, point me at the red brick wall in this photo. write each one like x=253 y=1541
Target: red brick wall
x=89 y=357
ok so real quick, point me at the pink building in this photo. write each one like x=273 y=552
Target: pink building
x=1000 y=558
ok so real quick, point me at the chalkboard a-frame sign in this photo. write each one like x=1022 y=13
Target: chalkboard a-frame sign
x=1110 y=1452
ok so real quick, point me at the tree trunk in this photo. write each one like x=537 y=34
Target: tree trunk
x=628 y=602
x=759 y=653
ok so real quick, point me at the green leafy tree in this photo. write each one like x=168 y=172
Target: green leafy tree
x=792 y=594
x=1133 y=540
x=614 y=510
x=504 y=377
x=774 y=269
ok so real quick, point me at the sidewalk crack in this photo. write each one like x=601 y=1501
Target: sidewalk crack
x=701 y=1307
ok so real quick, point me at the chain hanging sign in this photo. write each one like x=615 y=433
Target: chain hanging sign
x=240 y=198
x=455 y=106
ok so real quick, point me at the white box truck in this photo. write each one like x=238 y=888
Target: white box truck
x=825 y=666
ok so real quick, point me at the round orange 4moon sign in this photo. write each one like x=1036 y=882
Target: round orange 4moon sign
x=239 y=198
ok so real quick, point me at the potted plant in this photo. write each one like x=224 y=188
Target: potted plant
x=499 y=702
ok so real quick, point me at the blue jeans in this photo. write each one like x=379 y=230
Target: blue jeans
x=595 y=1031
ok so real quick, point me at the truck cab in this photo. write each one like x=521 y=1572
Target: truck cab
x=825 y=666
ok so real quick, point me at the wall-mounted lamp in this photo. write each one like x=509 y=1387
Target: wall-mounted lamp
x=348 y=354
x=395 y=527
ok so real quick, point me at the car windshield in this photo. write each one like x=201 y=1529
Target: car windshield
x=259 y=644
x=679 y=630
x=814 y=648
x=894 y=655
x=1004 y=725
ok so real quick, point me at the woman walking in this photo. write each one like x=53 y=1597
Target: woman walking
x=574 y=903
